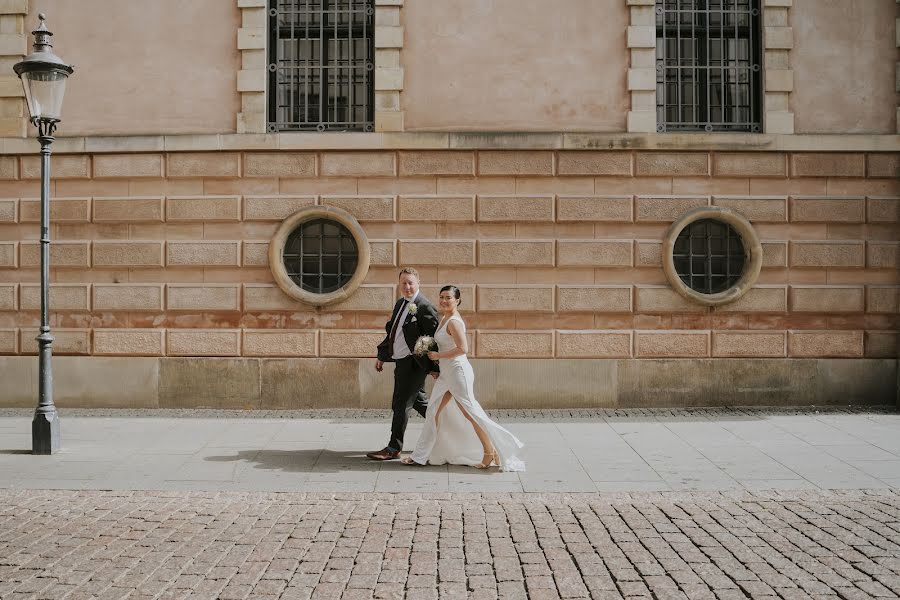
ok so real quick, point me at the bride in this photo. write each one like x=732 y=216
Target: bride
x=457 y=430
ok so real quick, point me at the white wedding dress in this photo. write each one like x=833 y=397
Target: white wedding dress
x=452 y=439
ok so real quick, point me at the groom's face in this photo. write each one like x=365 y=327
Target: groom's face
x=409 y=285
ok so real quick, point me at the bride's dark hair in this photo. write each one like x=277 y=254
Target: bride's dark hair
x=450 y=288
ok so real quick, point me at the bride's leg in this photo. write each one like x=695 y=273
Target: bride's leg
x=483 y=437
x=437 y=415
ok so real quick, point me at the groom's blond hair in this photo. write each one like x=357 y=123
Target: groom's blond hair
x=409 y=271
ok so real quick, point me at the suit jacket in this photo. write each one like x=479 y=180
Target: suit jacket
x=424 y=322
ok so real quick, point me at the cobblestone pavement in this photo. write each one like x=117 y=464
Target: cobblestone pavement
x=267 y=545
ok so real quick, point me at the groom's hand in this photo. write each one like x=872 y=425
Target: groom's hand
x=435 y=374
x=379 y=365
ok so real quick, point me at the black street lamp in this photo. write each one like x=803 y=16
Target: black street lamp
x=43 y=76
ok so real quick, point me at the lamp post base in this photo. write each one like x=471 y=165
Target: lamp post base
x=45 y=433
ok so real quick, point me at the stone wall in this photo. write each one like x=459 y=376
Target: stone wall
x=557 y=252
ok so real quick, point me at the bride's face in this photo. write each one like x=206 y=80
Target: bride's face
x=447 y=302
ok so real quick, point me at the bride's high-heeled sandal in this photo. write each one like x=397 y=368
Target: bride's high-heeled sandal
x=407 y=460
x=493 y=460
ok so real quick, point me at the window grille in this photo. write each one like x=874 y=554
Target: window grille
x=320 y=256
x=709 y=256
x=708 y=75
x=321 y=65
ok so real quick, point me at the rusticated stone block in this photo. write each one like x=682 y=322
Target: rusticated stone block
x=279 y=342
x=594 y=163
x=428 y=252
x=9 y=167
x=764 y=210
x=9 y=341
x=211 y=254
x=130 y=342
x=266 y=297
x=665 y=208
x=203 y=208
x=274 y=208
x=128 y=254
x=368 y=298
x=820 y=344
x=128 y=297
x=882 y=255
x=515 y=208
x=62 y=166
x=615 y=209
x=647 y=253
x=364 y=208
x=882 y=344
x=593 y=298
x=516 y=252
x=827 y=299
x=8 y=255
x=357 y=164
x=749 y=164
x=672 y=344
x=203 y=164
x=593 y=344
x=62 y=254
x=68 y=210
x=359 y=343
x=838 y=254
x=466 y=296
x=663 y=299
x=514 y=344
x=515 y=162
x=255 y=253
x=883 y=299
x=437 y=162
x=883 y=210
x=437 y=208
x=738 y=344
x=671 y=164
x=594 y=253
x=203 y=342
x=124 y=210
x=759 y=299
x=9 y=210
x=524 y=298
x=209 y=382
x=775 y=254
x=827 y=210
x=211 y=297
x=883 y=164
x=63 y=296
x=828 y=164
x=65 y=341
x=382 y=253
x=128 y=165
x=279 y=164
x=8 y=296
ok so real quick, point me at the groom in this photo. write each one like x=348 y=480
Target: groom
x=413 y=317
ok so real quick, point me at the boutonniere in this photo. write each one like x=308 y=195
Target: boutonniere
x=413 y=309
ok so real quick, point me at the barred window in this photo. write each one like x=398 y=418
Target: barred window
x=321 y=65
x=708 y=75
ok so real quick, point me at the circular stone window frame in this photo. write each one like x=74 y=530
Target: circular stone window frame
x=749 y=239
x=289 y=225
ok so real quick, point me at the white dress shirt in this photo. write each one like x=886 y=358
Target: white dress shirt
x=401 y=349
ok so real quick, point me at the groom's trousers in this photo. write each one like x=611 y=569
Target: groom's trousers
x=409 y=392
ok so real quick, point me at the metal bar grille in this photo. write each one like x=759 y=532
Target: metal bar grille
x=708 y=75
x=321 y=65
x=709 y=256
x=320 y=256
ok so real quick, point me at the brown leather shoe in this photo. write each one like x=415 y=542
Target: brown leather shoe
x=384 y=454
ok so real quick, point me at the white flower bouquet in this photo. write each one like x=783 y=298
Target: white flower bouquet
x=424 y=345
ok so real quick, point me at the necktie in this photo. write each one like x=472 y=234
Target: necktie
x=397 y=322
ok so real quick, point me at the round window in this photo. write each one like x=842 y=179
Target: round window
x=319 y=255
x=712 y=255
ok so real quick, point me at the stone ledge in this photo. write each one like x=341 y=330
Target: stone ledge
x=460 y=140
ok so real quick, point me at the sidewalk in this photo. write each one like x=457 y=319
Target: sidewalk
x=605 y=451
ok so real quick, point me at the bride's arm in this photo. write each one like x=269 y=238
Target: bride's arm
x=462 y=346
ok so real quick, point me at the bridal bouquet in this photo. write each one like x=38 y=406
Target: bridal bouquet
x=424 y=345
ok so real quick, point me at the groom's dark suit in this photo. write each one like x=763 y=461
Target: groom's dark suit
x=409 y=372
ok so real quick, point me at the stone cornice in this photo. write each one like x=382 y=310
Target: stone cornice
x=461 y=140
